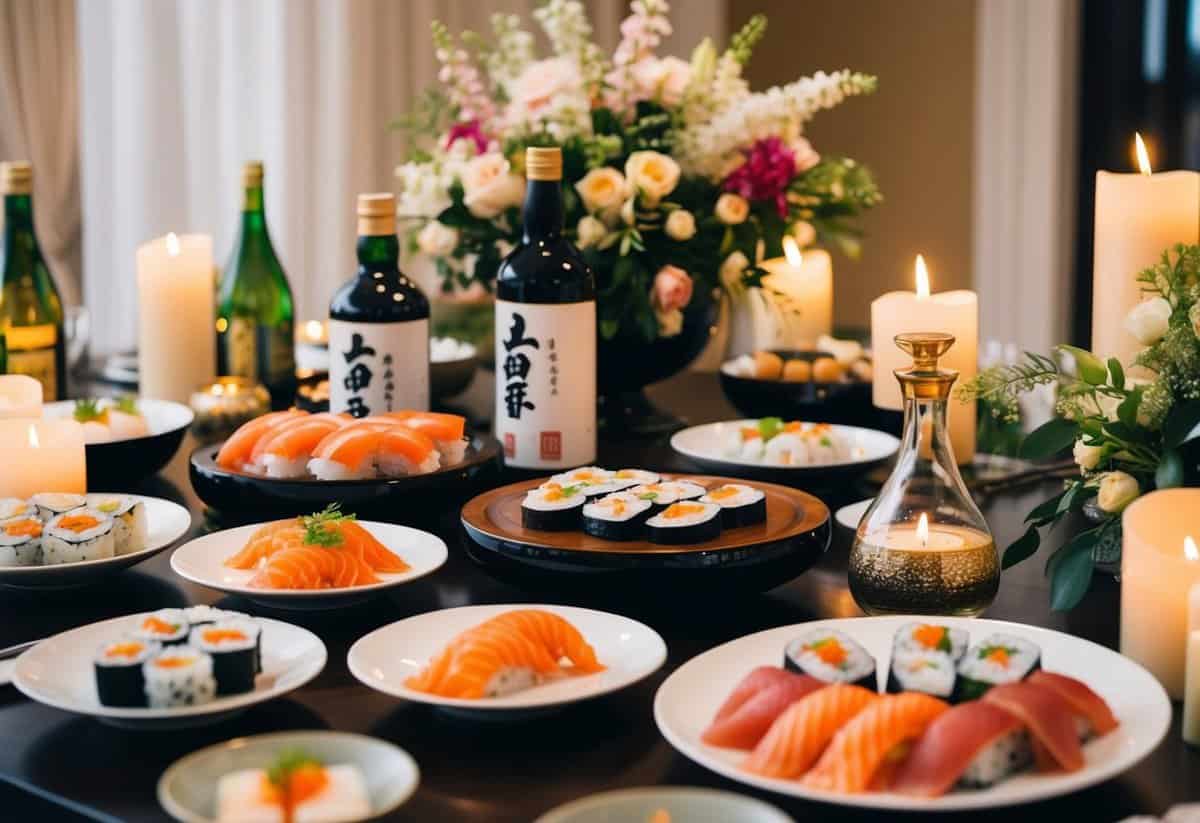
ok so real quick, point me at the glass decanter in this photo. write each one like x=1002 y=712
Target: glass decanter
x=923 y=546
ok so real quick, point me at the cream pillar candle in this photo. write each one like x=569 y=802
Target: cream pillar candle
x=1138 y=216
x=1159 y=565
x=805 y=279
x=20 y=396
x=41 y=456
x=1191 y=685
x=176 y=335
x=953 y=312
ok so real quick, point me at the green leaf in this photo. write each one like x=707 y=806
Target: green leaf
x=1047 y=508
x=609 y=327
x=1091 y=368
x=1049 y=439
x=1022 y=548
x=1182 y=424
x=1071 y=499
x=1128 y=408
x=1169 y=474
x=1116 y=373
x=1071 y=573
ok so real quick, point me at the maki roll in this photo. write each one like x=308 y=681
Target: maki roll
x=741 y=505
x=928 y=672
x=831 y=657
x=636 y=477
x=129 y=520
x=119 y=677
x=683 y=523
x=21 y=542
x=76 y=536
x=179 y=676
x=11 y=507
x=553 y=508
x=165 y=626
x=593 y=481
x=50 y=504
x=616 y=517
x=202 y=614
x=665 y=493
x=930 y=637
x=999 y=659
x=233 y=646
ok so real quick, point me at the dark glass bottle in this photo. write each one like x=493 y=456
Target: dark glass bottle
x=545 y=334
x=31 y=312
x=378 y=324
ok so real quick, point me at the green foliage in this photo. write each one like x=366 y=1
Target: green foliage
x=741 y=45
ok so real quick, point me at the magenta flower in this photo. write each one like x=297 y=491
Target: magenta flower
x=765 y=175
x=471 y=130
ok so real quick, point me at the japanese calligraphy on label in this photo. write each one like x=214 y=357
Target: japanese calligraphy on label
x=378 y=367
x=546 y=383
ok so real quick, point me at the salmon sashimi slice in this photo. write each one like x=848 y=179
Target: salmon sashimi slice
x=864 y=752
x=949 y=746
x=1084 y=702
x=746 y=725
x=260 y=544
x=750 y=685
x=1049 y=719
x=327 y=530
x=799 y=735
x=378 y=556
x=234 y=454
x=313 y=567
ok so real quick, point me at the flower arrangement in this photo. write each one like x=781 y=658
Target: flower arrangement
x=677 y=178
x=1129 y=433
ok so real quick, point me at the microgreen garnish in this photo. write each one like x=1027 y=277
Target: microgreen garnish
x=320 y=529
x=88 y=409
x=288 y=763
x=128 y=405
x=768 y=427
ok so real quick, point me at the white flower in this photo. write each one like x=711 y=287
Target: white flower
x=805 y=155
x=662 y=79
x=730 y=273
x=437 y=239
x=804 y=233
x=551 y=94
x=1117 y=490
x=670 y=323
x=680 y=225
x=1086 y=457
x=602 y=190
x=424 y=191
x=1149 y=320
x=732 y=209
x=589 y=232
x=652 y=174
x=489 y=185
x=627 y=215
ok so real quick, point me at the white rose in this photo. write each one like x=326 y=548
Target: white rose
x=627 y=215
x=804 y=233
x=437 y=239
x=664 y=80
x=1117 y=490
x=489 y=185
x=589 y=232
x=543 y=84
x=652 y=174
x=680 y=225
x=602 y=190
x=1148 y=321
x=730 y=273
x=732 y=209
x=670 y=323
x=423 y=192
x=1086 y=457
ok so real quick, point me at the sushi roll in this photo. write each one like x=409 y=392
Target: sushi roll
x=233 y=646
x=120 y=680
x=76 y=536
x=744 y=443
x=166 y=626
x=179 y=676
x=129 y=520
x=11 y=507
x=788 y=449
x=21 y=542
x=667 y=492
x=685 y=522
x=203 y=614
x=553 y=508
x=593 y=481
x=930 y=637
x=928 y=672
x=50 y=504
x=639 y=477
x=998 y=659
x=831 y=656
x=741 y=505
x=616 y=517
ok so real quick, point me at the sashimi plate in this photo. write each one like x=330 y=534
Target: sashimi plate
x=203 y=561
x=688 y=699
x=386 y=657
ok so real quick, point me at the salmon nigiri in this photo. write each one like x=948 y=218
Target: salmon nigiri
x=349 y=453
x=446 y=430
x=234 y=455
x=404 y=451
x=799 y=735
x=285 y=451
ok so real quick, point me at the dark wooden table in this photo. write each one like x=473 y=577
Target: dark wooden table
x=497 y=772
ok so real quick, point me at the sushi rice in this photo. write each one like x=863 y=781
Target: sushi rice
x=1002 y=758
x=21 y=541
x=179 y=676
x=639 y=476
x=997 y=659
x=928 y=637
x=929 y=672
x=129 y=520
x=50 y=504
x=78 y=535
x=831 y=656
x=685 y=522
x=233 y=645
x=11 y=507
x=741 y=505
x=166 y=626
x=593 y=480
x=618 y=516
x=551 y=507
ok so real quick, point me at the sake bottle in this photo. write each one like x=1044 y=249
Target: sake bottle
x=545 y=334
x=255 y=310
x=378 y=324
x=31 y=312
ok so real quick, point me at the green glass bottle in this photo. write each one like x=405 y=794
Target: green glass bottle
x=255 y=310
x=31 y=312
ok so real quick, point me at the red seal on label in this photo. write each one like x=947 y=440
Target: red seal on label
x=550 y=445
x=510 y=445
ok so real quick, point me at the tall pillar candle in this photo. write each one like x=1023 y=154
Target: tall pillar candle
x=20 y=396
x=176 y=316
x=42 y=456
x=1138 y=216
x=1191 y=685
x=804 y=281
x=952 y=312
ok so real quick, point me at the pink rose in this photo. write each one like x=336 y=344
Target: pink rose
x=805 y=155
x=672 y=289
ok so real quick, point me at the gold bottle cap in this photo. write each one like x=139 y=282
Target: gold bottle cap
x=252 y=174
x=543 y=163
x=16 y=178
x=924 y=379
x=377 y=214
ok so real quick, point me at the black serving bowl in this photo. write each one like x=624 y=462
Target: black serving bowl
x=847 y=402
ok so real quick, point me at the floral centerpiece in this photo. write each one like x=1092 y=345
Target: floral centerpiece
x=677 y=178
x=1129 y=432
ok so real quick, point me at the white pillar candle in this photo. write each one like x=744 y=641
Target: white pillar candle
x=41 y=456
x=1138 y=216
x=20 y=396
x=1191 y=686
x=176 y=335
x=952 y=312
x=1160 y=563
x=805 y=280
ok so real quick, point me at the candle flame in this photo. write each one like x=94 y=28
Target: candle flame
x=1189 y=549
x=173 y=244
x=792 y=251
x=922 y=274
x=33 y=437
x=923 y=530
x=315 y=329
x=1142 y=157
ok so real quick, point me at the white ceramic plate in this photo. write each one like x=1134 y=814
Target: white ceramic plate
x=687 y=700
x=166 y=522
x=683 y=803
x=850 y=515
x=161 y=416
x=188 y=789
x=203 y=561
x=386 y=657
x=59 y=672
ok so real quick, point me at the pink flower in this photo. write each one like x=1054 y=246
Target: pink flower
x=769 y=168
x=470 y=130
x=672 y=289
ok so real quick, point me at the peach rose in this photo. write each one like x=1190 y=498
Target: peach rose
x=489 y=185
x=653 y=174
x=805 y=155
x=672 y=289
x=602 y=190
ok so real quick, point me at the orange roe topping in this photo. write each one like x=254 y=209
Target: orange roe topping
x=24 y=528
x=829 y=651
x=998 y=654
x=300 y=785
x=751 y=433
x=554 y=493
x=222 y=635
x=173 y=662
x=682 y=510
x=793 y=426
x=78 y=522
x=153 y=624
x=929 y=636
x=723 y=492
x=124 y=650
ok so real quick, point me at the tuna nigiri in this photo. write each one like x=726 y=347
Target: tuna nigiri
x=1085 y=703
x=1049 y=719
x=234 y=455
x=746 y=724
x=799 y=735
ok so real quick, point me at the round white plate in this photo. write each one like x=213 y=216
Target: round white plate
x=203 y=561
x=161 y=416
x=704 y=444
x=59 y=672
x=188 y=788
x=683 y=803
x=689 y=698
x=851 y=514
x=166 y=522
x=386 y=657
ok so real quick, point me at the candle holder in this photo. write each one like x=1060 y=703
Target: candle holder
x=923 y=547
x=224 y=405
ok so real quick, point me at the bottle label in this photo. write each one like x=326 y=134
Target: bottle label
x=260 y=352
x=32 y=351
x=546 y=383
x=378 y=367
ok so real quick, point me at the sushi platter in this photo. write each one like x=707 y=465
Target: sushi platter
x=1031 y=713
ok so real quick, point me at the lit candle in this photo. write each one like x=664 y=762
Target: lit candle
x=1138 y=216
x=1160 y=563
x=1191 y=687
x=923 y=538
x=312 y=347
x=41 y=456
x=805 y=282
x=953 y=312
x=176 y=343
x=20 y=396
